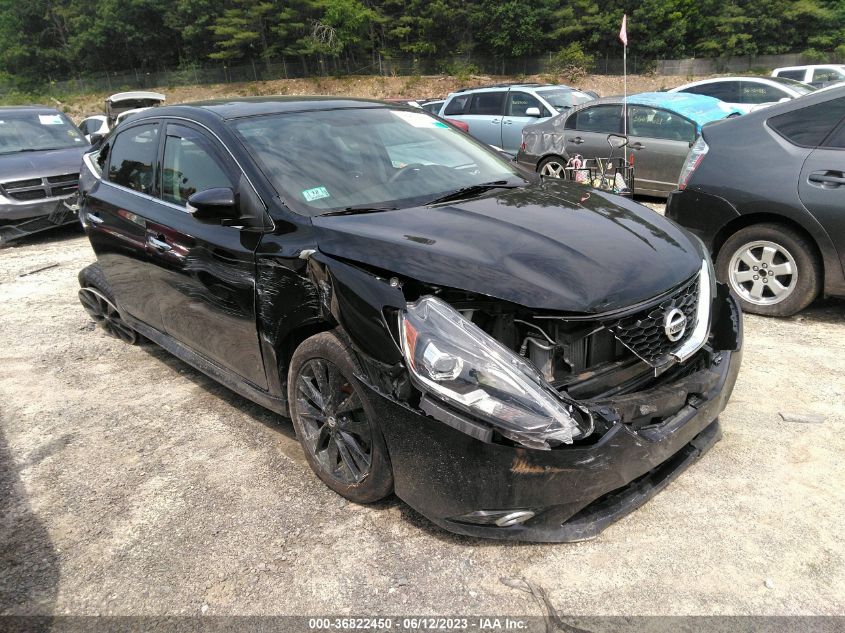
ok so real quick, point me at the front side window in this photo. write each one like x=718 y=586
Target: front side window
x=657 y=123
x=132 y=157
x=809 y=126
x=37 y=131
x=190 y=165
x=519 y=102
x=331 y=160
x=752 y=92
x=487 y=103
x=603 y=118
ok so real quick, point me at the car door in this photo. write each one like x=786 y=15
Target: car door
x=586 y=130
x=205 y=273
x=114 y=212
x=515 y=118
x=821 y=187
x=484 y=116
x=659 y=141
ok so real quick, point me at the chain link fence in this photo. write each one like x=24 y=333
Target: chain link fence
x=303 y=67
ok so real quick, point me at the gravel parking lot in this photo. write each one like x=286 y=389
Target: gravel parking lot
x=131 y=484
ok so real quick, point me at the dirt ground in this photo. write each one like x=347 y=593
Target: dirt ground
x=416 y=87
x=131 y=484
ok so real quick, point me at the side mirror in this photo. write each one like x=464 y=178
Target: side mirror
x=214 y=206
x=95 y=139
x=532 y=112
x=784 y=100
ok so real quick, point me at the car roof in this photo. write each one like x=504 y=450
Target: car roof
x=754 y=78
x=240 y=107
x=698 y=108
x=809 y=67
x=29 y=108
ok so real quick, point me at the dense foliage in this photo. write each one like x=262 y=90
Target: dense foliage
x=44 y=39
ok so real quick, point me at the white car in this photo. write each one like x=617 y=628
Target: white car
x=818 y=75
x=118 y=107
x=748 y=93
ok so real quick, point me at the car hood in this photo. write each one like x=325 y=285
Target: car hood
x=550 y=246
x=24 y=165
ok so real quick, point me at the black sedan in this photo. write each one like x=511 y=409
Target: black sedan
x=515 y=359
x=766 y=194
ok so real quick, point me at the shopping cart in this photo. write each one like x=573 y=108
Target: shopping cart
x=614 y=173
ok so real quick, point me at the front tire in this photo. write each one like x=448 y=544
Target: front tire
x=772 y=268
x=335 y=422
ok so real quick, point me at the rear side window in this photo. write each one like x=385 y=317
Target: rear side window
x=727 y=91
x=487 y=103
x=603 y=118
x=656 y=123
x=132 y=158
x=809 y=126
x=457 y=105
x=797 y=75
x=827 y=74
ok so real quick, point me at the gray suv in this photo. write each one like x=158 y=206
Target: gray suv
x=496 y=114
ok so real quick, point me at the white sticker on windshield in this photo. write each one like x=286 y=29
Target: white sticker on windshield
x=418 y=119
x=50 y=119
x=315 y=194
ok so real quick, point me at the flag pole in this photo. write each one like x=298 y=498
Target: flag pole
x=625 y=83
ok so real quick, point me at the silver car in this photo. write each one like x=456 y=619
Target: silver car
x=661 y=128
x=496 y=114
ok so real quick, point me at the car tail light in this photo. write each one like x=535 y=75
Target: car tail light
x=694 y=158
x=522 y=147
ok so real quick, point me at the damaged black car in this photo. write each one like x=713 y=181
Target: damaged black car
x=514 y=358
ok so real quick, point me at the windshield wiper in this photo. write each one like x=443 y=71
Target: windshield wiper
x=36 y=149
x=473 y=190
x=360 y=209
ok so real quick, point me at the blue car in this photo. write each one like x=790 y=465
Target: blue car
x=662 y=127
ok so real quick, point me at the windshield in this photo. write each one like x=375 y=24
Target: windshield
x=563 y=98
x=797 y=86
x=33 y=131
x=331 y=160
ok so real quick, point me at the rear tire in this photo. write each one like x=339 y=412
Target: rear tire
x=552 y=166
x=97 y=298
x=772 y=268
x=335 y=422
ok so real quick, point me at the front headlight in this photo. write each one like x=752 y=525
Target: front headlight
x=449 y=356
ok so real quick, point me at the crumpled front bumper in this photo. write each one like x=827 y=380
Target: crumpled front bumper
x=18 y=219
x=576 y=491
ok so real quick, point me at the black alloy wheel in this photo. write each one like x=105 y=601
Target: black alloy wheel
x=335 y=421
x=336 y=425
x=106 y=314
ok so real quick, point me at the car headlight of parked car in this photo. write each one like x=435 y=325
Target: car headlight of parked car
x=452 y=358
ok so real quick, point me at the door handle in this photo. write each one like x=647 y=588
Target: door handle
x=93 y=218
x=828 y=178
x=159 y=245
x=577 y=140
x=507 y=122
x=637 y=146
x=495 y=121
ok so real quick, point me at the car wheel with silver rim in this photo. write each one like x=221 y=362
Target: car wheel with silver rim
x=772 y=268
x=553 y=167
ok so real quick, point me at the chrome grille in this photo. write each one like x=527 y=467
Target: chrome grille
x=644 y=332
x=39 y=188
